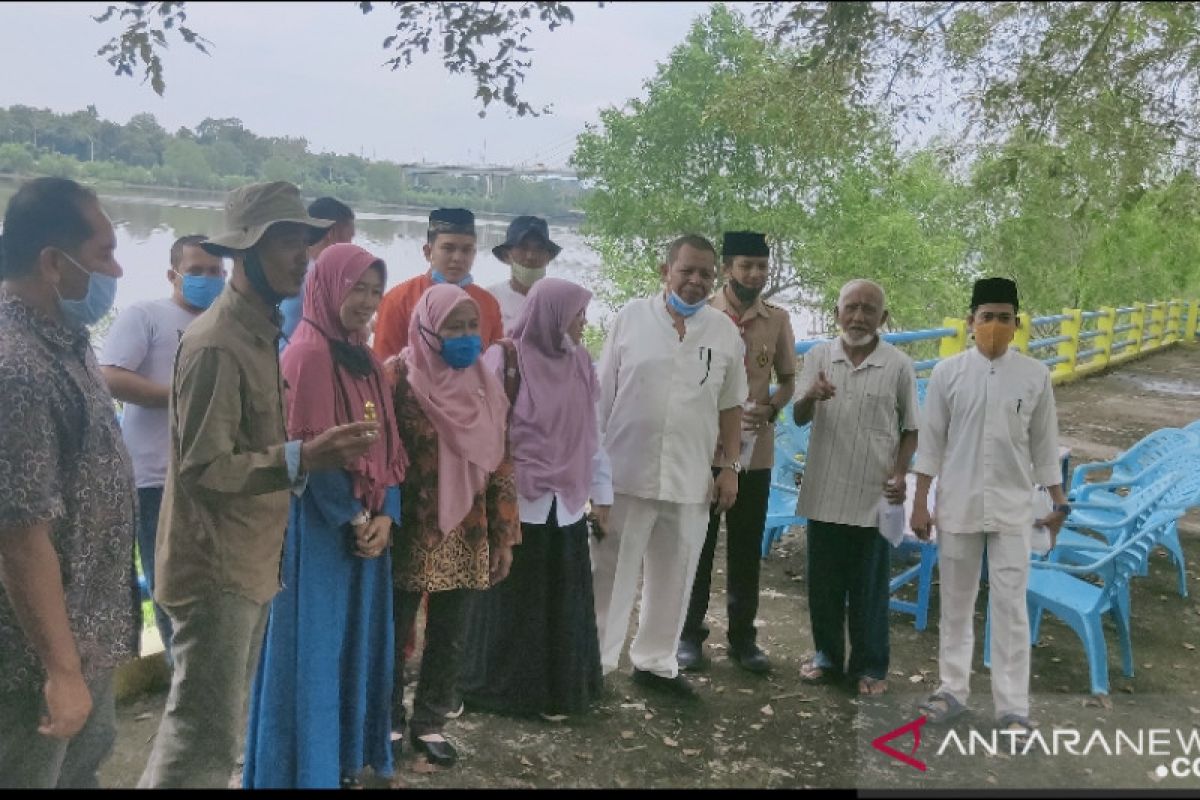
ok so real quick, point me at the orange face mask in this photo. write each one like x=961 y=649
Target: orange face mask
x=992 y=338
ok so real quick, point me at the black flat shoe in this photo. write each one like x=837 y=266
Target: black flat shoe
x=678 y=686
x=690 y=656
x=751 y=659
x=441 y=754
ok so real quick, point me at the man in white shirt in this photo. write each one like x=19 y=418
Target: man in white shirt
x=528 y=251
x=672 y=381
x=989 y=433
x=137 y=361
x=861 y=395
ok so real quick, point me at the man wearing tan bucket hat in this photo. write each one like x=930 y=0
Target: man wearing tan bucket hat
x=225 y=503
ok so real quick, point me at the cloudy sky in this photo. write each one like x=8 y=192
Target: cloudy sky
x=315 y=70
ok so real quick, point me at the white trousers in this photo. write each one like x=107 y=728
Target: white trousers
x=960 y=557
x=666 y=539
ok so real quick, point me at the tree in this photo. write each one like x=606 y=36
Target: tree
x=186 y=159
x=704 y=153
x=486 y=41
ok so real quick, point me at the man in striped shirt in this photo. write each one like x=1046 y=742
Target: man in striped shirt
x=861 y=395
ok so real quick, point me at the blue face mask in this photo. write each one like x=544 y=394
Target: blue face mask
x=101 y=292
x=676 y=302
x=462 y=351
x=462 y=284
x=199 y=291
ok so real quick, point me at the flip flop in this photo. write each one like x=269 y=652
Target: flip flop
x=868 y=686
x=941 y=707
x=813 y=673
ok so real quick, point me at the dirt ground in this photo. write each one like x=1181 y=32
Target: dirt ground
x=754 y=732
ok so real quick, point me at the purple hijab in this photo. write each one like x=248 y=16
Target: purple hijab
x=553 y=426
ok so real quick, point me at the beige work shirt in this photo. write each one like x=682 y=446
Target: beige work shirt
x=770 y=347
x=225 y=503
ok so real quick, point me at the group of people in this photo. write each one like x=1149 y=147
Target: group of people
x=306 y=460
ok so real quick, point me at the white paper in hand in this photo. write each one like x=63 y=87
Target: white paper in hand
x=891 y=522
x=1039 y=537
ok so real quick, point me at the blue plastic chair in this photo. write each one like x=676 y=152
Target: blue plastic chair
x=1180 y=472
x=922 y=573
x=1151 y=448
x=1193 y=428
x=1056 y=588
x=791 y=449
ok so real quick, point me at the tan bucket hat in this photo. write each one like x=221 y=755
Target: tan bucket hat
x=250 y=210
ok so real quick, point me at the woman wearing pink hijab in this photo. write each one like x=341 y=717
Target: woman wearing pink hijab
x=531 y=642
x=319 y=705
x=460 y=500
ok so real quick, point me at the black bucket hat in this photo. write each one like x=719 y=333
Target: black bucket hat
x=521 y=227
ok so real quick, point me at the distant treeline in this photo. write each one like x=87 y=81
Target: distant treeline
x=220 y=154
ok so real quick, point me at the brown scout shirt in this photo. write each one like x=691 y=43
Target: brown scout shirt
x=225 y=503
x=770 y=345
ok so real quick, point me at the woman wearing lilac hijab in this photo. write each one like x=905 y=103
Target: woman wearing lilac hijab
x=531 y=641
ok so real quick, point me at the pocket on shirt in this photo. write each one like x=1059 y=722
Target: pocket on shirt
x=1020 y=415
x=879 y=413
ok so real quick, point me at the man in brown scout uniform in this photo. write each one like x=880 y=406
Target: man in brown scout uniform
x=770 y=346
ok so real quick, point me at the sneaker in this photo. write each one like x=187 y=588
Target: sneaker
x=690 y=656
x=677 y=686
x=751 y=659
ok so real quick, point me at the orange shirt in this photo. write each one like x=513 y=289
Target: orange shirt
x=395 y=313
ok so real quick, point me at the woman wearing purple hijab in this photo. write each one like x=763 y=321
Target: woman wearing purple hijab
x=531 y=645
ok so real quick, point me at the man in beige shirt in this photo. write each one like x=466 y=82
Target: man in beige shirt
x=861 y=395
x=225 y=502
x=770 y=348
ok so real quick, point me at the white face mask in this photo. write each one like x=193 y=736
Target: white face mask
x=527 y=277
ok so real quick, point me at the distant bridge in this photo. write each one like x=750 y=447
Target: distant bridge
x=492 y=176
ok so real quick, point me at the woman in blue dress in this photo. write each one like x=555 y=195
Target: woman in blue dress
x=319 y=709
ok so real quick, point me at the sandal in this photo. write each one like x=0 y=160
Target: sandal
x=872 y=686
x=941 y=707
x=813 y=673
x=1021 y=727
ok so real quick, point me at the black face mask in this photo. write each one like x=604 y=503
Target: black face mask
x=354 y=358
x=258 y=280
x=744 y=294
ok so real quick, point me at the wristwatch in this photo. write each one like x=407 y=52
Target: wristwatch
x=736 y=466
x=361 y=518
x=1065 y=508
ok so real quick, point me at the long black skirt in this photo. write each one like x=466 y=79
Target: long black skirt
x=531 y=645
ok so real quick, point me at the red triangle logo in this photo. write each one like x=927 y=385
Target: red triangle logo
x=914 y=728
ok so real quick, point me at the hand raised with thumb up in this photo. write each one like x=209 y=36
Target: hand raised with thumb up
x=821 y=389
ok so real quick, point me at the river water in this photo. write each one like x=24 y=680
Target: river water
x=147 y=223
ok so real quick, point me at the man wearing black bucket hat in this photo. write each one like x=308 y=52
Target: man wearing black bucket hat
x=770 y=348
x=226 y=499
x=527 y=250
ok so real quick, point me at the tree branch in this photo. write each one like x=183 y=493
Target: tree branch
x=1065 y=82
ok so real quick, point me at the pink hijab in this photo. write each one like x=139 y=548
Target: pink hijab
x=324 y=393
x=467 y=407
x=553 y=426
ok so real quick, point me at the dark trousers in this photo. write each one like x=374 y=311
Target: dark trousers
x=29 y=760
x=149 y=502
x=848 y=567
x=743 y=551
x=437 y=687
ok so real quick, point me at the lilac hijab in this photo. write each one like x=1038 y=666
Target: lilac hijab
x=553 y=426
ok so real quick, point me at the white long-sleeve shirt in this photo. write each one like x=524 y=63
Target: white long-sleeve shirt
x=989 y=432
x=660 y=398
